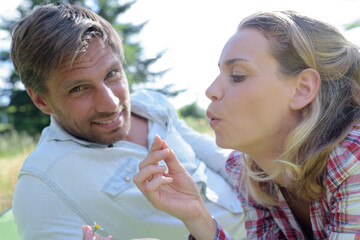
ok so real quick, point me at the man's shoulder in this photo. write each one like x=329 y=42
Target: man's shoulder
x=47 y=153
x=148 y=96
x=155 y=104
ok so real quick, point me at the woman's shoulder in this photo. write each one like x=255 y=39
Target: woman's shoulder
x=351 y=143
x=353 y=137
x=345 y=158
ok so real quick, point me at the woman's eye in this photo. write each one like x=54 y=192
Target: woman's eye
x=237 y=78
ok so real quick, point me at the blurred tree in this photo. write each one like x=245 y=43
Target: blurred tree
x=23 y=115
x=192 y=110
x=352 y=25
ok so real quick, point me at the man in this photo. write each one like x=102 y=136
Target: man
x=70 y=61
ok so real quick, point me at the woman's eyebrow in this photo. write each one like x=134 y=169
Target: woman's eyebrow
x=231 y=61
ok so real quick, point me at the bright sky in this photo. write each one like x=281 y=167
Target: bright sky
x=194 y=32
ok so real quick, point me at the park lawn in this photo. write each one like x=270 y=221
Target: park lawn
x=9 y=169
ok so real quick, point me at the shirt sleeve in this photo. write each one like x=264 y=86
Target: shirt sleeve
x=40 y=214
x=221 y=234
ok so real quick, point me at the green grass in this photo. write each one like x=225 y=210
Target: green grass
x=200 y=125
x=13 y=143
x=14 y=148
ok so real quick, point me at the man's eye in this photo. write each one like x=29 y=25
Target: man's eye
x=76 y=89
x=111 y=74
x=237 y=78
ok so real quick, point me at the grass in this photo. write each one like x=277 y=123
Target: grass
x=13 y=143
x=15 y=147
x=9 y=169
x=200 y=125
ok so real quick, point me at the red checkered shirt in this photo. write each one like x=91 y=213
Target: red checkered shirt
x=335 y=216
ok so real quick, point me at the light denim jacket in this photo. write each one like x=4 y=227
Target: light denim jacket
x=66 y=182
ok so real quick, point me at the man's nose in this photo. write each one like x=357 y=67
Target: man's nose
x=105 y=100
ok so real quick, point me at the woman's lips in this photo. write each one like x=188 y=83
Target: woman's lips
x=213 y=119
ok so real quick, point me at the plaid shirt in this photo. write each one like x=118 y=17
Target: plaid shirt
x=335 y=216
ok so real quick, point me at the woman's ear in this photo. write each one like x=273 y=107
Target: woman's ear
x=307 y=86
x=39 y=101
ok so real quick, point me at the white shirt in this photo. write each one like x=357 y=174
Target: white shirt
x=66 y=182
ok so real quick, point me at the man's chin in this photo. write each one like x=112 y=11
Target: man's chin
x=111 y=138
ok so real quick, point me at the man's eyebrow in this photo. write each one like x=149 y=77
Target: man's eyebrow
x=231 y=61
x=72 y=83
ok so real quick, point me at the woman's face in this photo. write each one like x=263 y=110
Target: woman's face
x=250 y=109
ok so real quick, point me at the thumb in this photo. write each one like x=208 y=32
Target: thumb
x=87 y=232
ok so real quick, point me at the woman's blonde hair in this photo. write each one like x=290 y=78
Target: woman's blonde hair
x=297 y=43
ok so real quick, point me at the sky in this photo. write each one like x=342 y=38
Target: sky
x=193 y=33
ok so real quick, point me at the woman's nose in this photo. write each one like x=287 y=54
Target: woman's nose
x=213 y=92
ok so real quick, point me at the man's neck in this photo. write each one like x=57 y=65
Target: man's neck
x=138 y=130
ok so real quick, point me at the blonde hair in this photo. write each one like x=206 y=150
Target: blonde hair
x=297 y=43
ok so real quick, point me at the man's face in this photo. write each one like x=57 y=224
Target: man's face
x=91 y=99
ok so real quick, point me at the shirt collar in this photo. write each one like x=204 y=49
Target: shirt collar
x=57 y=133
x=148 y=109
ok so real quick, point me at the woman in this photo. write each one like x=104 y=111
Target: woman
x=287 y=100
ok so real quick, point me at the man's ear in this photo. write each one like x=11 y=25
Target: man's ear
x=39 y=101
x=306 y=88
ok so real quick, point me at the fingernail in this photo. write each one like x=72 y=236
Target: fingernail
x=165 y=151
x=161 y=167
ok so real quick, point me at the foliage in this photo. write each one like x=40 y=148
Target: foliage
x=200 y=124
x=192 y=110
x=352 y=25
x=23 y=115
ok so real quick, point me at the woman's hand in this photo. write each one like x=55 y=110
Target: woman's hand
x=174 y=192
x=88 y=234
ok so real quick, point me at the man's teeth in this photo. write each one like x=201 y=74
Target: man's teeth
x=107 y=122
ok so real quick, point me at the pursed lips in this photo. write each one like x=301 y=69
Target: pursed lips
x=213 y=119
x=211 y=116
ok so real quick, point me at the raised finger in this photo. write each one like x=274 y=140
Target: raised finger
x=171 y=160
x=156 y=145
